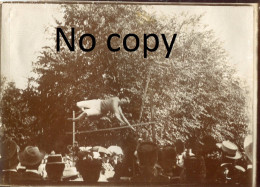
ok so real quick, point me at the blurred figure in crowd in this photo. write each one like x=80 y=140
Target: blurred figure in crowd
x=194 y=170
x=116 y=160
x=147 y=155
x=248 y=147
x=212 y=158
x=168 y=161
x=8 y=161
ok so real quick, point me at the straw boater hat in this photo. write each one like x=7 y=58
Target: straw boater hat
x=230 y=150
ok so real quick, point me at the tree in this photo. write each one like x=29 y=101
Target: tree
x=15 y=114
x=197 y=93
x=67 y=77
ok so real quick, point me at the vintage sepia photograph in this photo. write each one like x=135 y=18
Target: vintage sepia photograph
x=113 y=93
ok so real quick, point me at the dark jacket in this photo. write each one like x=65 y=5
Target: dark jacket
x=9 y=177
x=29 y=176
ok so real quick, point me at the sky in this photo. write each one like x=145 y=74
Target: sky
x=24 y=34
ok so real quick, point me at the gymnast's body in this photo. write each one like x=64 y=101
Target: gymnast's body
x=99 y=107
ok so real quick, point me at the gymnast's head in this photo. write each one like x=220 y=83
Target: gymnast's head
x=124 y=100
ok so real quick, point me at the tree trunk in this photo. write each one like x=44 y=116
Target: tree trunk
x=144 y=95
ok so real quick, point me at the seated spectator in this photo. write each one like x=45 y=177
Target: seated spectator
x=31 y=158
x=8 y=161
x=147 y=155
x=89 y=168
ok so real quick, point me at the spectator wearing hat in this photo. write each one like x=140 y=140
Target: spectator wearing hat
x=229 y=172
x=55 y=167
x=9 y=161
x=147 y=155
x=89 y=167
x=31 y=158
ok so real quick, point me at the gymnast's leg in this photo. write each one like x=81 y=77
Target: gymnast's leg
x=81 y=116
x=89 y=108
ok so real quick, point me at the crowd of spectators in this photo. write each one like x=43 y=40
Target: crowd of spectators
x=191 y=162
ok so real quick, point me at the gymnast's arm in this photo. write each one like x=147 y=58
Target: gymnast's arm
x=118 y=117
x=124 y=118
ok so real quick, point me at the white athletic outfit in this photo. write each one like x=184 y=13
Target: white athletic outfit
x=90 y=107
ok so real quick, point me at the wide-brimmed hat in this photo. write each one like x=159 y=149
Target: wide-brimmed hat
x=229 y=149
x=31 y=156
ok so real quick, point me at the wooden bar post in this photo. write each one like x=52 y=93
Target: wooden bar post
x=73 y=130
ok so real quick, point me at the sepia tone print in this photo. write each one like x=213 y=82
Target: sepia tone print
x=127 y=94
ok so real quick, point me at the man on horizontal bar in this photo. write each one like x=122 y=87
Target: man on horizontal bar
x=98 y=107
